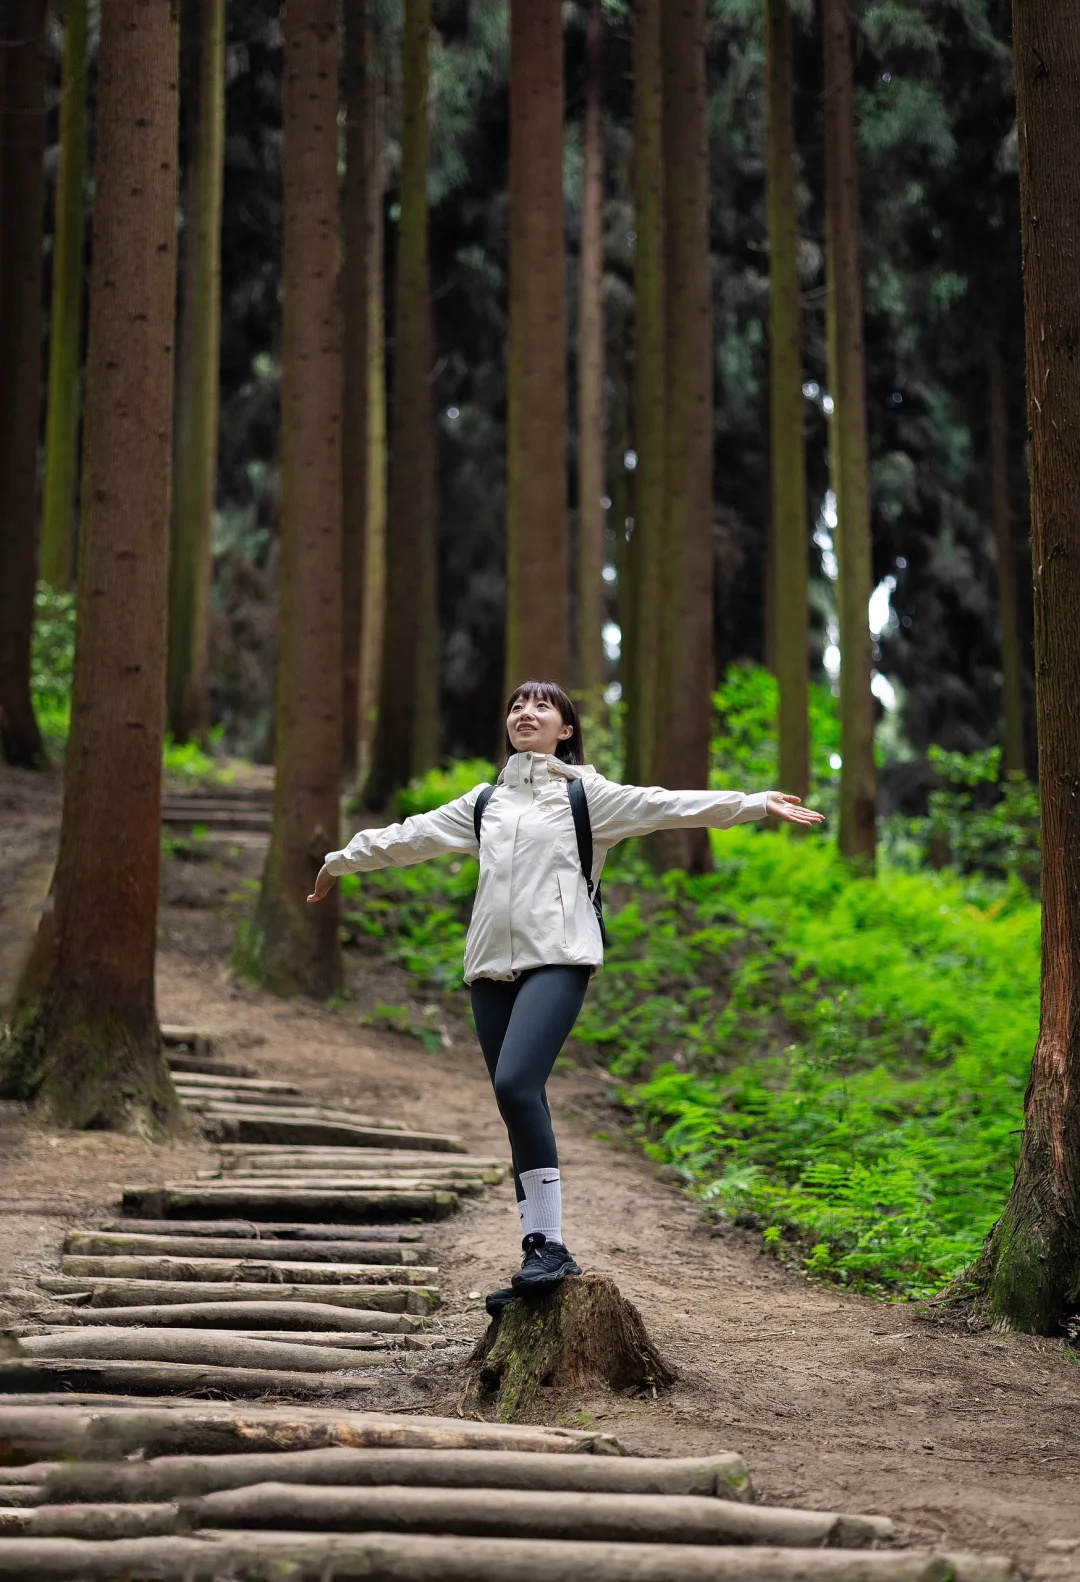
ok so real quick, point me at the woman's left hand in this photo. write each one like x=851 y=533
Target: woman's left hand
x=791 y=810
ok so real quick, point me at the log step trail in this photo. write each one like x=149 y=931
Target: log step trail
x=294 y=1274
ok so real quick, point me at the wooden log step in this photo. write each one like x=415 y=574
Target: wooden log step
x=181 y=1035
x=173 y=1477
x=265 y=1271
x=175 y=1378
x=262 y=1230
x=355 y=1180
x=218 y=820
x=532 y=1513
x=407 y=1557
x=362 y=1340
x=126 y=1293
x=13 y=1521
x=244 y=1125
x=102 y=1523
x=102 y=1244
x=260 y=1157
x=298 y=1202
x=210 y=1083
x=19 y=1496
x=102 y=1431
x=216 y=1347
x=287 y=1106
x=310 y=1314
x=206 y=1064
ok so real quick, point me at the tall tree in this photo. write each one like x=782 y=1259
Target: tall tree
x=22 y=143
x=1031 y=1264
x=684 y=707
x=195 y=441
x=374 y=613
x=297 y=946
x=848 y=444
x=65 y=324
x=641 y=611
x=1014 y=754
x=85 y=1038
x=357 y=215
x=408 y=696
x=591 y=602
x=789 y=552
x=537 y=540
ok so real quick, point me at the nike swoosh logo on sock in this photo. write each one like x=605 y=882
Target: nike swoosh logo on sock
x=550 y=1183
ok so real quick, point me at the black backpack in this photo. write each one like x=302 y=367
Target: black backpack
x=579 y=807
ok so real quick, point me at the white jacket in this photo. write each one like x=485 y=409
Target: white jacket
x=532 y=905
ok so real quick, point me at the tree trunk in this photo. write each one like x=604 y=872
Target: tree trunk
x=195 y=433
x=85 y=1037
x=1031 y=1265
x=848 y=442
x=684 y=709
x=65 y=330
x=591 y=599
x=788 y=567
x=297 y=949
x=641 y=610
x=1014 y=754
x=410 y=547
x=374 y=618
x=22 y=145
x=537 y=541
x=621 y=510
x=357 y=214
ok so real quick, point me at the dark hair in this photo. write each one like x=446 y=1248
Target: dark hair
x=572 y=750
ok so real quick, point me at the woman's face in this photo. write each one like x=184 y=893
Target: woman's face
x=535 y=726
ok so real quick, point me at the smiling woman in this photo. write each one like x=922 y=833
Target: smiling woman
x=542 y=834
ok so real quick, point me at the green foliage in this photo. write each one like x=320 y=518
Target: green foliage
x=444 y=785
x=976 y=822
x=427 y=1027
x=51 y=661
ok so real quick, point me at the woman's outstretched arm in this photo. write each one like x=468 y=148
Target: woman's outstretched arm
x=618 y=812
x=445 y=830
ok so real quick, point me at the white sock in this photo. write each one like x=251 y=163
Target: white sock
x=521 y=1213
x=542 y=1209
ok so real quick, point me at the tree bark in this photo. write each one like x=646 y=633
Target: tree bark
x=357 y=233
x=173 y=1378
x=1031 y=1265
x=195 y=432
x=641 y=610
x=22 y=147
x=65 y=325
x=405 y=726
x=592 y=523
x=101 y=1244
x=297 y=948
x=683 y=716
x=537 y=540
x=374 y=617
x=788 y=548
x=1014 y=752
x=214 y=1347
x=848 y=442
x=85 y=1039
x=115 y=1292
x=214 y=1271
x=281 y=1315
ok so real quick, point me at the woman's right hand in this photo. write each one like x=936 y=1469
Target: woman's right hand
x=323 y=885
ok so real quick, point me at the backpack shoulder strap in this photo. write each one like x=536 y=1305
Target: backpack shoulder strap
x=579 y=807
x=478 y=809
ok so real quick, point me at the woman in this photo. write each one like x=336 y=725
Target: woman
x=534 y=940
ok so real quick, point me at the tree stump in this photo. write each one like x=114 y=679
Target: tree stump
x=583 y=1335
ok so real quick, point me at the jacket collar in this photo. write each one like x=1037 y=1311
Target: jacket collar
x=539 y=766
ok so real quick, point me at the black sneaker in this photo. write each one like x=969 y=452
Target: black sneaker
x=495 y=1301
x=545 y=1264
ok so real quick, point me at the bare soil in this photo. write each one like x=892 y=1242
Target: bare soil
x=834 y=1400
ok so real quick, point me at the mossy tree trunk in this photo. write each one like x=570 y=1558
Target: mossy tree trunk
x=374 y=616
x=1030 y=1270
x=22 y=193
x=407 y=697
x=641 y=609
x=789 y=613
x=295 y=947
x=356 y=218
x=537 y=538
x=848 y=442
x=592 y=457
x=195 y=441
x=683 y=714
x=65 y=323
x=85 y=1038
x=1014 y=750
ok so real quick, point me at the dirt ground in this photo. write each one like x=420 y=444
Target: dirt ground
x=834 y=1400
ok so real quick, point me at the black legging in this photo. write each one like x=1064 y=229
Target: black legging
x=522 y=1026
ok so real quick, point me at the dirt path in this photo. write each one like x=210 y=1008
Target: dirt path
x=834 y=1400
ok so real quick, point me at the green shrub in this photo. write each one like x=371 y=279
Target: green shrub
x=976 y=821
x=51 y=659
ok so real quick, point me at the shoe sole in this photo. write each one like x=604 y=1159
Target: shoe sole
x=542 y=1282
